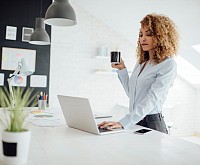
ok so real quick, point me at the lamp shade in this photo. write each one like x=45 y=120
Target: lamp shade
x=39 y=36
x=60 y=13
x=25 y=68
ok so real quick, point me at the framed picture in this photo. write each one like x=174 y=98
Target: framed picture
x=26 y=34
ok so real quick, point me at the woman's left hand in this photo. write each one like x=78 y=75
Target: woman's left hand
x=110 y=125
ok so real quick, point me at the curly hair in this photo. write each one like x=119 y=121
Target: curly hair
x=165 y=38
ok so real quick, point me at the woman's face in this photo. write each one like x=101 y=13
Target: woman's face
x=146 y=40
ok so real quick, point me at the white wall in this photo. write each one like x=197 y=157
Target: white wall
x=124 y=17
x=180 y=108
x=197 y=112
x=73 y=64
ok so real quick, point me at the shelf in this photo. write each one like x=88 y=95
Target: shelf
x=108 y=72
x=103 y=57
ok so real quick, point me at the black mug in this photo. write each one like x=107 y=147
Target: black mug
x=115 y=57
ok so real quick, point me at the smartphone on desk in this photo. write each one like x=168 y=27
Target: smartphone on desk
x=142 y=131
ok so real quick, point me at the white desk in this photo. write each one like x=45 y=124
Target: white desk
x=67 y=146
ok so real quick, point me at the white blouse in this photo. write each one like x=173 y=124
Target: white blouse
x=148 y=90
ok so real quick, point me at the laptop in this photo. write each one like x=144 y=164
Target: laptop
x=79 y=115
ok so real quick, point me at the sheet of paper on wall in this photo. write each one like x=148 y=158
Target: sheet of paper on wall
x=26 y=34
x=11 y=57
x=19 y=81
x=11 y=32
x=38 y=81
x=1 y=79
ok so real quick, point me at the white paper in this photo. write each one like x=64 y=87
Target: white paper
x=11 y=57
x=38 y=81
x=1 y=79
x=19 y=81
x=46 y=120
x=47 y=123
x=11 y=33
x=26 y=34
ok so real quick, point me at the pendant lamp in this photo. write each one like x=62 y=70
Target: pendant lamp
x=60 y=13
x=39 y=36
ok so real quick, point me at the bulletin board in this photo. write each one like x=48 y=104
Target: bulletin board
x=16 y=25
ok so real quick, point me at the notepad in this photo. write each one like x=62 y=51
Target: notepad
x=99 y=115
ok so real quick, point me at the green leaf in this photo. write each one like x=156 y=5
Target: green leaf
x=15 y=118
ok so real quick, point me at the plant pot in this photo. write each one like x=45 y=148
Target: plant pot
x=15 y=147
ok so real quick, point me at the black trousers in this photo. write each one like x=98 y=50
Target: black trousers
x=154 y=121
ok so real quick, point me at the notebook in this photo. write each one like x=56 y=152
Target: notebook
x=79 y=115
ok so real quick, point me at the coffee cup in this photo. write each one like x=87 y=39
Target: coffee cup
x=115 y=57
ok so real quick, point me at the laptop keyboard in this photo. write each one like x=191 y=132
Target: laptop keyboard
x=103 y=130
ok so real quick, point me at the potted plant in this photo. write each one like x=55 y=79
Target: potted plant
x=15 y=135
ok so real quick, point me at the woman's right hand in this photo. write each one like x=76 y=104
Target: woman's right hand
x=119 y=66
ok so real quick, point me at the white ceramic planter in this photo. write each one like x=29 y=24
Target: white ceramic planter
x=16 y=147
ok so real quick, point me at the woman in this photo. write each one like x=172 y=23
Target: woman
x=153 y=75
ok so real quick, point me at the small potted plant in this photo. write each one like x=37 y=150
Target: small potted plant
x=15 y=135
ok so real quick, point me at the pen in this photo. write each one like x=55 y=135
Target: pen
x=41 y=96
x=38 y=97
x=44 y=97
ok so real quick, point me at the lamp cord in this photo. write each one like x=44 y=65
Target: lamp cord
x=41 y=8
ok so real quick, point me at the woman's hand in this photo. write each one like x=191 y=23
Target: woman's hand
x=119 y=66
x=110 y=125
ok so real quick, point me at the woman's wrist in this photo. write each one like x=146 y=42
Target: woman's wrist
x=122 y=67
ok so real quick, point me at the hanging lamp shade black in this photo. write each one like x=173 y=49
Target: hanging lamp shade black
x=39 y=36
x=60 y=13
